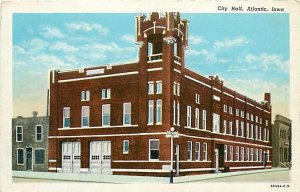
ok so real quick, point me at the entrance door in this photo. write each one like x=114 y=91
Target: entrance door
x=100 y=157
x=28 y=159
x=177 y=159
x=71 y=157
x=221 y=155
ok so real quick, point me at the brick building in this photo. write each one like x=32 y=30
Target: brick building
x=281 y=143
x=30 y=143
x=112 y=119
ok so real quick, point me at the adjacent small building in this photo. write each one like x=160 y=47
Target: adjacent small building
x=281 y=141
x=30 y=143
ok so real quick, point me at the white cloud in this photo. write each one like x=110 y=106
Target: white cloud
x=52 y=32
x=207 y=55
x=88 y=27
x=193 y=39
x=62 y=46
x=127 y=38
x=35 y=45
x=18 y=50
x=50 y=60
x=228 y=43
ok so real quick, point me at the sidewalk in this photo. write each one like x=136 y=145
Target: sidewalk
x=123 y=179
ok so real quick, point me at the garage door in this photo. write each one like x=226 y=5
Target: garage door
x=100 y=157
x=71 y=157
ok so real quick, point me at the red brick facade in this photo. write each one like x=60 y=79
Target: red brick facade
x=129 y=83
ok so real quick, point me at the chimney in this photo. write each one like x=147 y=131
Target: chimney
x=268 y=97
x=34 y=113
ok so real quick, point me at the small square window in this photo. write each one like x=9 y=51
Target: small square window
x=105 y=93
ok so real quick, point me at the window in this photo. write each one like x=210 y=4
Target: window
x=38 y=133
x=150 y=48
x=197 y=151
x=260 y=120
x=204 y=151
x=19 y=133
x=189 y=116
x=178 y=113
x=189 y=151
x=256 y=119
x=251 y=132
x=225 y=126
x=268 y=155
x=106 y=115
x=242 y=128
x=197 y=118
x=66 y=117
x=105 y=93
x=260 y=155
x=178 y=89
x=251 y=154
x=237 y=153
x=230 y=110
x=216 y=122
x=153 y=149
x=20 y=156
x=125 y=146
x=259 y=133
x=225 y=152
x=251 y=117
x=39 y=156
x=242 y=154
x=158 y=87
x=174 y=112
x=237 y=112
x=256 y=132
x=85 y=95
x=197 y=98
x=256 y=155
x=231 y=153
x=150 y=88
x=237 y=127
x=230 y=128
x=85 y=114
x=267 y=135
x=175 y=49
x=204 y=119
x=242 y=114
x=247 y=129
x=150 y=112
x=175 y=88
x=247 y=154
x=126 y=113
x=158 y=111
x=247 y=116
x=225 y=108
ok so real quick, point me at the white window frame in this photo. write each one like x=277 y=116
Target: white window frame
x=268 y=155
x=260 y=154
x=158 y=106
x=175 y=88
x=252 y=129
x=256 y=119
x=205 y=151
x=188 y=116
x=242 y=114
x=237 y=153
x=242 y=157
x=242 y=128
x=259 y=133
x=256 y=132
x=189 y=151
x=161 y=88
x=256 y=154
x=40 y=133
x=247 y=129
x=85 y=95
x=225 y=108
x=197 y=98
x=247 y=154
x=225 y=126
x=178 y=89
x=102 y=115
x=19 y=133
x=230 y=110
x=150 y=112
x=149 y=149
x=251 y=154
x=230 y=128
x=150 y=88
x=236 y=127
x=237 y=112
x=64 y=117
x=178 y=113
x=18 y=156
x=251 y=117
x=247 y=116
x=174 y=112
x=124 y=145
x=216 y=123
x=204 y=119
x=197 y=118
x=82 y=107
x=231 y=153
x=107 y=92
x=225 y=153
x=197 y=151
x=124 y=113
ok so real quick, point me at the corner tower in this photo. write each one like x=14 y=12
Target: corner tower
x=162 y=39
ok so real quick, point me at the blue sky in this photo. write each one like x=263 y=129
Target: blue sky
x=250 y=52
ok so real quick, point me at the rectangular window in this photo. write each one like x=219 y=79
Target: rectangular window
x=150 y=112
x=189 y=151
x=85 y=95
x=230 y=128
x=197 y=118
x=189 y=116
x=197 y=98
x=225 y=108
x=158 y=87
x=237 y=112
x=256 y=119
x=247 y=116
x=242 y=128
x=237 y=153
x=105 y=93
x=19 y=133
x=247 y=154
x=197 y=151
x=242 y=154
x=20 y=156
x=106 y=115
x=256 y=155
x=216 y=122
x=251 y=117
x=204 y=151
x=260 y=155
x=264 y=134
x=158 y=111
x=251 y=132
x=230 y=153
x=251 y=154
x=230 y=110
x=256 y=132
x=225 y=126
x=247 y=130
x=225 y=152
x=175 y=88
x=260 y=120
x=178 y=89
x=204 y=119
x=154 y=149
x=268 y=155
x=85 y=116
x=178 y=113
x=125 y=146
x=174 y=112
x=66 y=117
x=150 y=88
x=267 y=134
x=126 y=113
x=237 y=127
x=242 y=114
x=39 y=155
x=38 y=133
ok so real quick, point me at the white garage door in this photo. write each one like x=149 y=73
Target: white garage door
x=71 y=157
x=100 y=157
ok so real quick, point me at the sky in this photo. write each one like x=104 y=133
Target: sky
x=249 y=52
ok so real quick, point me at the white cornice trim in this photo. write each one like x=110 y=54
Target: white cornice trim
x=100 y=127
x=108 y=135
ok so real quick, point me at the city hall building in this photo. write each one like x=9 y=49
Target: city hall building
x=113 y=119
